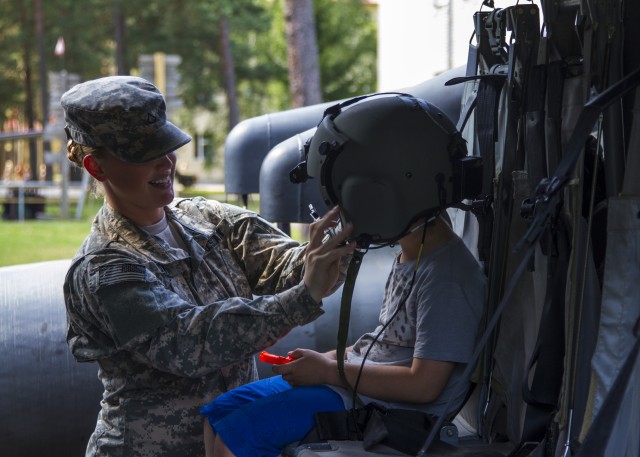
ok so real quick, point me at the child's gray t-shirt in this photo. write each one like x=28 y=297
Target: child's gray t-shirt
x=439 y=320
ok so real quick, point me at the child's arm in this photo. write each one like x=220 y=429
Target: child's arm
x=333 y=354
x=420 y=383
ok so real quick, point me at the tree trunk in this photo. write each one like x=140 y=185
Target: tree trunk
x=119 y=35
x=229 y=74
x=29 y=100
x=302 y=53
x=42 y=62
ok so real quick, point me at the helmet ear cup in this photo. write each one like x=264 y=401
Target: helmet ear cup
x=457 y=147
x=362 y=201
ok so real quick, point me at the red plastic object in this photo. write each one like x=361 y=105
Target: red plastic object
x=275 y=359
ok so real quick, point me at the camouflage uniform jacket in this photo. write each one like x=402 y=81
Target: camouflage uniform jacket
x=171 y=329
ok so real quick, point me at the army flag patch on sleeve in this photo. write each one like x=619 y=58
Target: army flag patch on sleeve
x=122 y=272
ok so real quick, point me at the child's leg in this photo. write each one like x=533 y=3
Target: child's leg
x=214 y=447
x=221 y=450
x=232 y=400
x=229 y=401
x=265 y=426
x=209 y=438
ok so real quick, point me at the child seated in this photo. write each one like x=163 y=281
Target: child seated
x=426 y=334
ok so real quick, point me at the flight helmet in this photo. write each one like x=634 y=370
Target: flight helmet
x=388 y=160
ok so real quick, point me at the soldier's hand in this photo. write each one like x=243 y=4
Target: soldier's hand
x=322 y=260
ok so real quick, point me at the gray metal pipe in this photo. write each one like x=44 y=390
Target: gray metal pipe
x=283 y=201
x=48 y=401
x=280 y=200
x=249 y=142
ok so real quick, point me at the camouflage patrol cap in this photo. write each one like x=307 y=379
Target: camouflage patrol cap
x=125 y=115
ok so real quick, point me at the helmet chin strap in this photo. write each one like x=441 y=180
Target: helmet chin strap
x=417 y=227
x=427 y=222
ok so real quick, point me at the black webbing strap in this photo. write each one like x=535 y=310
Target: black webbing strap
x=486 y=131
x=553 y=121
x=549 y=189
x=548 y=354
x=547 y=359
x=486 y=118
x=470 y=103
x=586 y=120
x=345 y=313
x=534 y=125
x=599 y=433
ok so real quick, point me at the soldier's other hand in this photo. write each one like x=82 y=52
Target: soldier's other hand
x=322 y=260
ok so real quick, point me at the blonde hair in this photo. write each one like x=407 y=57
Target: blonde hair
x=76 y=153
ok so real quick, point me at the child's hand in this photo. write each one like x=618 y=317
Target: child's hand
x=308 y=368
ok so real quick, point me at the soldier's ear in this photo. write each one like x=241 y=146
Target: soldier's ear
x=93 y=167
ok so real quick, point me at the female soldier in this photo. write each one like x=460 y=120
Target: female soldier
x=172 y=297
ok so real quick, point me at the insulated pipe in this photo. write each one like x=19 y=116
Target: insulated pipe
x=48 y=401
x=249 y=142
x=282 y=201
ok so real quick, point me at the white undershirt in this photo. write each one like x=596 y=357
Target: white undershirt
x=166 y=232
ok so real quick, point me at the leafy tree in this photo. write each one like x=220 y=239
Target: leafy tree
x=87 y=29
x=12 y=36
x=345 y=33
x=302 y=52
x=347 y=40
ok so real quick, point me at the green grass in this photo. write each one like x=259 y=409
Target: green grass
x=51 y=238
x=55 y=239
x=37 y=241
